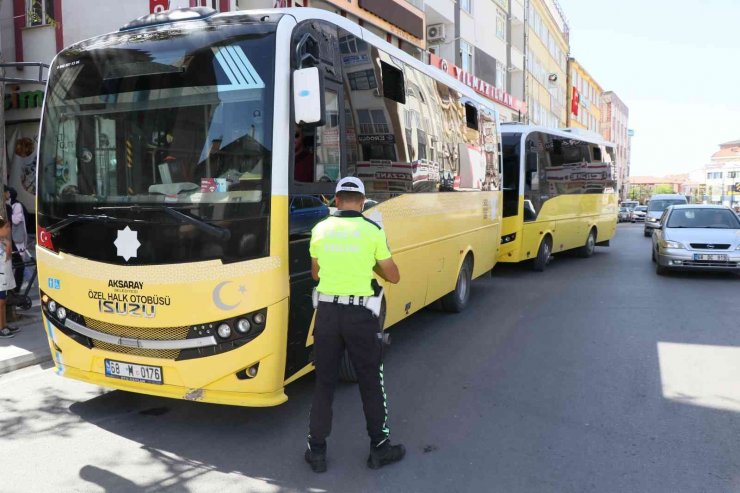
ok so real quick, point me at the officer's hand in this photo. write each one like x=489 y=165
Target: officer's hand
x=388 y=270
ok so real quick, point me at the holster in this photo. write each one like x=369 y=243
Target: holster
x=315 y=298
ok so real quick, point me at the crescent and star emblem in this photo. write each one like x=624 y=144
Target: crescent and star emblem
x=218 y=300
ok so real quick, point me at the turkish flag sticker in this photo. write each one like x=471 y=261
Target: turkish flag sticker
x=44 y=238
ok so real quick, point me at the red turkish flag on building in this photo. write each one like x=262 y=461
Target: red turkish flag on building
x=575 y=101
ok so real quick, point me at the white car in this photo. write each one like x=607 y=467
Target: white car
x=697 y=237
x=638 y=213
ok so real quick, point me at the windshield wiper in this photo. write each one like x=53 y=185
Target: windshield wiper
x=218 y=231
x=58 y=226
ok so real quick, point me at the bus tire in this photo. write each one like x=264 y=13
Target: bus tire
x=347 y=371
x=457 y=300
x=587 y=250
x=543 y=255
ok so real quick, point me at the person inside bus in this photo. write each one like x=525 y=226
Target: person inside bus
x=303 y=171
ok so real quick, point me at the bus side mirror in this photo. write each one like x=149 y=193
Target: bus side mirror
x=308 y=97
x=532 y=160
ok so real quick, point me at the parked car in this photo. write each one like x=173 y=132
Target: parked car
x=623 y=215
x=638 y=213
x=305 y=212
x=657 y=204
x=697 y=237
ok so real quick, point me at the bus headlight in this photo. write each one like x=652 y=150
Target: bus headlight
x=61 y=313
x=243 y=326
x=224 y=331
x=53 y=306
x=259 y=318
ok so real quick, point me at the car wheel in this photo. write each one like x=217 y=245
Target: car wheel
x=655 y=259
x=647 y=234
x=457 y=300
x=543 y=255
x=587 y=250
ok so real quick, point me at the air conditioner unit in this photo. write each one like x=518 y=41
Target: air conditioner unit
x=436 y=33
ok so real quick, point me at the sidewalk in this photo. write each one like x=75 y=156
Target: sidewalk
x=29 y=346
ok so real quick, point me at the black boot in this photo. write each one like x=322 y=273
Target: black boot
x=384 y=454
x=316 y=457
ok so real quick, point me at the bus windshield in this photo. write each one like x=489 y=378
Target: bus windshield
x=157 y=120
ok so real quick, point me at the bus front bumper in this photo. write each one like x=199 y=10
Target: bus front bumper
x=217 y=379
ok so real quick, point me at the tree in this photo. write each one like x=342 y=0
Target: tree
x=663 y=188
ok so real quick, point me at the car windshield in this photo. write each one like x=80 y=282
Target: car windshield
x=703 y=218
x=661 y=205
x=641 y=208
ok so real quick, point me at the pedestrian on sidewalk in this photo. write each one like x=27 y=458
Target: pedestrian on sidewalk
x=7 y=280
x=19 y=234
x=345 y=250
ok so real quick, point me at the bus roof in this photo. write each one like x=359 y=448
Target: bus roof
x=308 y=13
x=585 y=136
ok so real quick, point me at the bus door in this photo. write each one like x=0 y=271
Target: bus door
x=317 y=162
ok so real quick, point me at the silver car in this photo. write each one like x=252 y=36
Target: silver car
x=638 y=213
x=697 y=237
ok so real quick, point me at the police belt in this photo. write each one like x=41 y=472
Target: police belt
x=344 y=300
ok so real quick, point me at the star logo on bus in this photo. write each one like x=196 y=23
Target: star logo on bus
x=127 y=243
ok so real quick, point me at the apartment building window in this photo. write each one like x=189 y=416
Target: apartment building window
x=467 y=6
x=372 y=122
x=466 y=52
x=351 y=44
x=39 y=12
x=500 y=24
x=362 y=80
x=714 y=176
x=731 y=174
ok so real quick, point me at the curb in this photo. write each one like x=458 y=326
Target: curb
x=27 y=357
x=23 y=361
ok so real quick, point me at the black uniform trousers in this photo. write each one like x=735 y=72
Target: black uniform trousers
x=354 y=327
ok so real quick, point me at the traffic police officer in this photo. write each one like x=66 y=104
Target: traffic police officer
x=345 y=250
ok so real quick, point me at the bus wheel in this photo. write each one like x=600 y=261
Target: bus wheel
x=543 y=255
x=588 y=249
x=347 y=369
x=457 y=300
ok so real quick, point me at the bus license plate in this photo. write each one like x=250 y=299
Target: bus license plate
x=133 y=372
x=703 y=256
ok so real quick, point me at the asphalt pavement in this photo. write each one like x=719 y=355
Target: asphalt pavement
x=596 y=375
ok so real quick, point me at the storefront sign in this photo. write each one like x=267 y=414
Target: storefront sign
x=355 y=59
x=158 y=6
x=380 y=138
x=480 y=86
x=17 y=100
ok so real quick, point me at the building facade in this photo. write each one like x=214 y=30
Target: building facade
x=723 y=175
x=400 y=22
x=584 y=99
x=481 y=43
x=615 y=128
x=547 y=46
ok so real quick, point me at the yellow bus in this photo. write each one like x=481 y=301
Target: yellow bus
x=176 y=194
x=559 y=193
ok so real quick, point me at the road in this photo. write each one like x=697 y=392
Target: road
x=596 y=375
